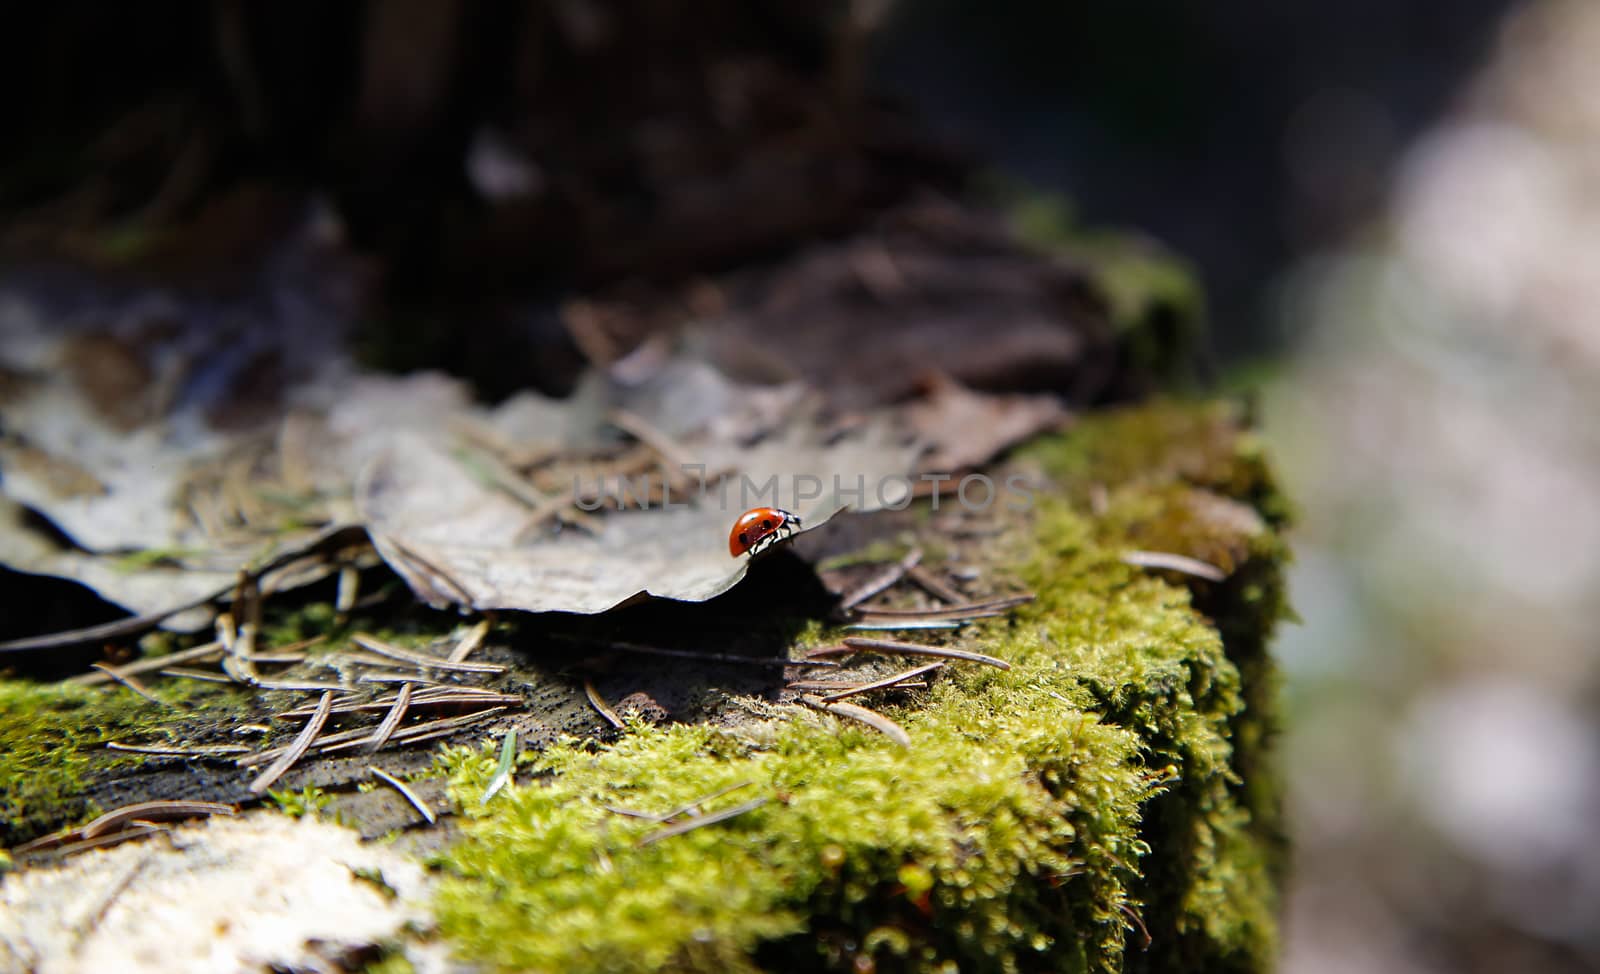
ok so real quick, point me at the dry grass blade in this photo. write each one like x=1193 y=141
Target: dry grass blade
x=884 y=683
x=689 y=825
x=1175 y=563
x=154 y=811
x=154 y=663
x=397 y=713
x=131 y=684
x=470 y=642
x=857 y=643
x=199 y=751
x=301 y=743
x=880 y=581
x=382 y=648
x=871 y=718
x=934 y=585
x=598 y=703
x=405 y=792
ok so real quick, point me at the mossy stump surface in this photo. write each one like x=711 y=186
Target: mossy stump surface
x=1108 y=803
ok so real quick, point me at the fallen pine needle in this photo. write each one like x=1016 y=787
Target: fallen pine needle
x=502 y=772
x=856 y=643
x=1174 y=562
x=871 y=718
x=152 y=811
x=298 y=748
x=405 y=792
x=382 y=648
x=354 y=738
x=470 y=642
x=964 y=608
x=934 y=585
x=206 y=676
x=598 y=702
x=689 y=825
x=884 y=683
x=698 y=802
x=131 y=684
x=152 y=663
x=880 y=581
x=199 y=751
x=391 y=720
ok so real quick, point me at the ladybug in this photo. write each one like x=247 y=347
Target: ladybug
x=760 y=527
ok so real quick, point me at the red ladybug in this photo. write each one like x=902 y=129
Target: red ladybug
x=760 y=527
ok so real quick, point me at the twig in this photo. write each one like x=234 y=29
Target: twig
x=406 y=793
x=934 y=585
x=880 y=581
x=502 y=772
x=887 y=681
x=131 y=684
x=298 y=748
x=689 y=825
x=382 y=648
x=871 y=718
x=598 y=702
x=854 y=643
x=1174 y=562
x=397 y=713
x=154 y=811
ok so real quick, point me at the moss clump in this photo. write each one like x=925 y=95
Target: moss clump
x=1038 y=812
x=52 y=741
x=1190 y=479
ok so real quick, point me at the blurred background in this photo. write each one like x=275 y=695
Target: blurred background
x=1394 y=208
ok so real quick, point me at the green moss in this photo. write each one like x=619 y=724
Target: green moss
x=52 y=741
x=1038 y=810
x=307 y=801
